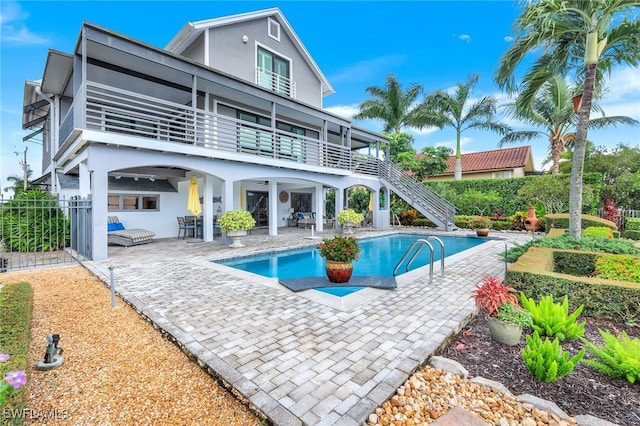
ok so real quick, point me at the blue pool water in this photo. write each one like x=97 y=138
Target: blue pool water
x=378 y=258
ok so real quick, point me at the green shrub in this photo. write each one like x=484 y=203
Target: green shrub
x=501 y=225
x=632 y=234
x=632 y=224
x=546 y=360
x=464 y=221
x=16 y=304
x=553 y=319
x=574 y=263
x=624 y=268
x=618 y=358
x=517 y=219
x=561 y=220
x=615 y=302
x=424 y=222
x=598 y=231
x=33 y=222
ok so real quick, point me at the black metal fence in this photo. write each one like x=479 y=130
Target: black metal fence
x=38 y=229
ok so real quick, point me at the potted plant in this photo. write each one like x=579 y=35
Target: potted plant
x=339 y=252
x=236 y=223
x=482 y=225
x=506 y=318
x=348 y=219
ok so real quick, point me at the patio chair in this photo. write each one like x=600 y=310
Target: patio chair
x=183 y=227
x=117 y=234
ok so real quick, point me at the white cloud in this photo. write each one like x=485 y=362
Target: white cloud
x=346 y=111
x=464 y=37
x=13 y=28
x=508 y=39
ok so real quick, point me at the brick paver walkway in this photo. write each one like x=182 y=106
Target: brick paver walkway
x=295 y=358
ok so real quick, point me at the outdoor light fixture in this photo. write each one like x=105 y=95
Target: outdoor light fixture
x=245 y=39
x=134 y=176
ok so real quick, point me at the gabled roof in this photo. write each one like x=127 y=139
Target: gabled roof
x=191 y=30
x=498 y=159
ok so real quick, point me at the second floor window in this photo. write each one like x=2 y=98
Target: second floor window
x=273 y=72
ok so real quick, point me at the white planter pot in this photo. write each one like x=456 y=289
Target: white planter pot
x=236 y=236
x=348 y=227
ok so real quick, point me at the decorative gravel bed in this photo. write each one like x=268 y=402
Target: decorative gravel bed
x=118 y=369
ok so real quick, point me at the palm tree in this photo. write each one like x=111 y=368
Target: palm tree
x=552 y=110
x=443 y=109
x=390 y=104
x=588 y=37
x=18 y=185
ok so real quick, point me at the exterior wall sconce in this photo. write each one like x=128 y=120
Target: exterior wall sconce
x=245 y=39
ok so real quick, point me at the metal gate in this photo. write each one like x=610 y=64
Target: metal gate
x=38 y=229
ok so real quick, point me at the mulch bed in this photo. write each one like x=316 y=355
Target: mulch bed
x=584 y=391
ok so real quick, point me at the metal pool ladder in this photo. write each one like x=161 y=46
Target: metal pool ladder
x=420 y=243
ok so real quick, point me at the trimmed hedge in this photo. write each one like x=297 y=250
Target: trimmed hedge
x=599 y=300
x=598 y=231
x=561 y=220
x=574 y=263
x=632 y=229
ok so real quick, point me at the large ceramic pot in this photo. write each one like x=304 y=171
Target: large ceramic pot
x=236 y=236
x=338 y=272
x=482 y=232
x=506 y=333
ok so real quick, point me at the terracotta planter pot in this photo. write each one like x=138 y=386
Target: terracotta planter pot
x=482 y=232
x=532 y=223
x=506 y=333
x=338 y=272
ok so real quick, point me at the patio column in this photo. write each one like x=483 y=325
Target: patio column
x=207 y=195
x=319 y=203
x=273 y=207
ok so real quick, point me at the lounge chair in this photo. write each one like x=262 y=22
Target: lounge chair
x=117 y=234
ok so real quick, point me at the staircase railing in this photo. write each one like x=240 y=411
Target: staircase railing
x=426 y=201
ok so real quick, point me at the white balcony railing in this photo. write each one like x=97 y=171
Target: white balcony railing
x=272 y=81
x=118 y=111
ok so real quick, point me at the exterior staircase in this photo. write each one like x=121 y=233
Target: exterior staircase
x=427 y=202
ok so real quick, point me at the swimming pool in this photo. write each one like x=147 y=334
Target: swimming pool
x=378 y=258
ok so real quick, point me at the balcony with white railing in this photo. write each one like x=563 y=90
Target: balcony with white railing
x=272 y=81
x=118 y=111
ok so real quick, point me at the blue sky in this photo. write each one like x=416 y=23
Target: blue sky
x=356 y=44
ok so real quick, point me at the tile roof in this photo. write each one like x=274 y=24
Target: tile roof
x=498 y=159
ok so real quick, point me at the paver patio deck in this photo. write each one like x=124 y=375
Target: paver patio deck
x=307 y=357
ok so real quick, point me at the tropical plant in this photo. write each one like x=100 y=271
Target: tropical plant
x=553 y=112
x=390 y=104
x=553 y=319
x=349 y=216
x=618 y=357
x=442 y=109
x=480 y=201
x=19 y=185
x=340 y=249
x=546 y=360
x=34 y=222
x=491 y=293
x=236 y=220
x=480 y=222
x=514 y=315
x=588 y=37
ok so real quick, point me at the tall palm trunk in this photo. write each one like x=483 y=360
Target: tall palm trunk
x=557 y=146
x=579 y=152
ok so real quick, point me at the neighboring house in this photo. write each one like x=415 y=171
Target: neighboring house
x=233 y=101
x=499 y=163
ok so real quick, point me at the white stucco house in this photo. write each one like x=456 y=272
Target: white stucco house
x=235 y=101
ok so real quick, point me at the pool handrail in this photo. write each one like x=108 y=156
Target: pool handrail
x=421 y=243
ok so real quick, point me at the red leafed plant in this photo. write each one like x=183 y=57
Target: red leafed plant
x=491 y=293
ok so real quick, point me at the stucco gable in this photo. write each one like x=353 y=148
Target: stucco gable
x=192 y=30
